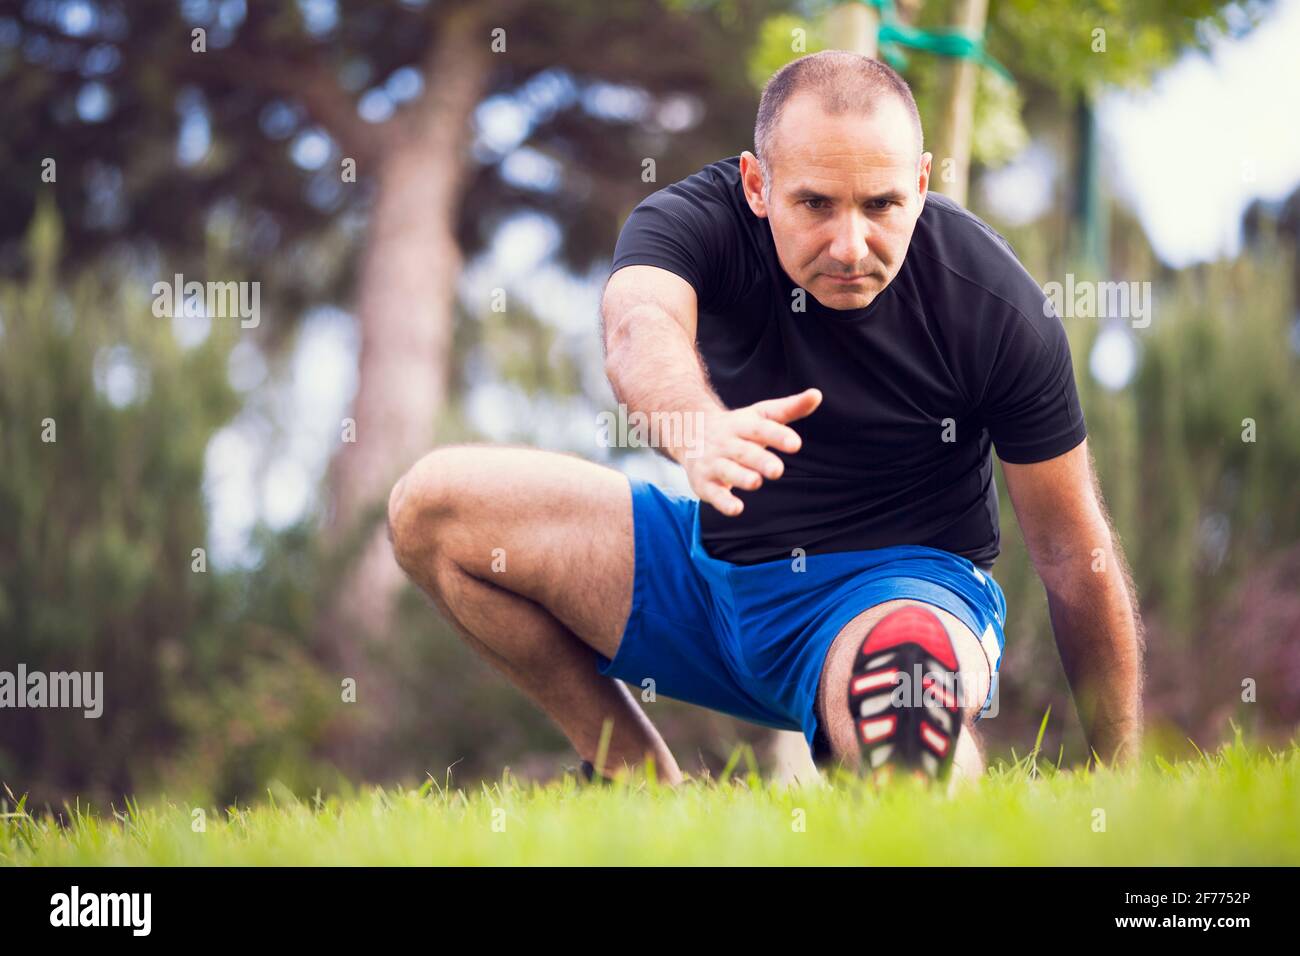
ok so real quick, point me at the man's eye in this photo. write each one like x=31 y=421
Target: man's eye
x=876 y=204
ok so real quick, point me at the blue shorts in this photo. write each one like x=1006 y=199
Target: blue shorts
x=750 y=640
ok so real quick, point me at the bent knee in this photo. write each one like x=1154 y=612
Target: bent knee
x=418 y=504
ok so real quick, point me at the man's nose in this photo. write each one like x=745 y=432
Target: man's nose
x=849 y=245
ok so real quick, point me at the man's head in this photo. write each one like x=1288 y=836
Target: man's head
x=840 y=173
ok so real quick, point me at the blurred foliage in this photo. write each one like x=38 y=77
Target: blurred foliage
x=97 y=535
x=251 y=133
x=1196 y=507
x=1052 y=44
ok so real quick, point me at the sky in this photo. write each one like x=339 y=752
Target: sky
x=1212 y=133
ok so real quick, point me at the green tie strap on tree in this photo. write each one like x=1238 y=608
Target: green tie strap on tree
x=893 y=35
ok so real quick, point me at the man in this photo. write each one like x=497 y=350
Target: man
x=833 y=576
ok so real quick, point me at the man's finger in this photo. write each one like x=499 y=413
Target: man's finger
x=723 y=500
x=791 y=407
x=768 y=433
x=731 y=475
x=755 y=456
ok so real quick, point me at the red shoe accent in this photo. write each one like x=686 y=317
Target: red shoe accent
x=912 y=625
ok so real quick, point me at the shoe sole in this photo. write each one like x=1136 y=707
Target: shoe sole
x=900 y=729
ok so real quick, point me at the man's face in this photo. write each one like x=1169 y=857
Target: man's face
x=846 y=193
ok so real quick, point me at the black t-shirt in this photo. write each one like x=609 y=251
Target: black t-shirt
x=955 y=355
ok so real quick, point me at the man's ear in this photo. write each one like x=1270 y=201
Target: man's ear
x=751 y=180
x=923 y=175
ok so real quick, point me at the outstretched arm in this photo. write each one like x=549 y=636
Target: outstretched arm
x=1090 y=595
x=649 y=319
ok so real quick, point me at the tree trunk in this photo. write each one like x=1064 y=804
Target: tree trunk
x=957 y=119
x=853 y=27
x=405 y=310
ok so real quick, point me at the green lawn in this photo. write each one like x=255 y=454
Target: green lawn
x=1240 y=805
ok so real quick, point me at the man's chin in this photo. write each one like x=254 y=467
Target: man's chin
x=846 y=300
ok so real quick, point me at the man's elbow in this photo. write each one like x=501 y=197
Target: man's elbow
x=615 y=346
x=614 y=334
x=1067 y=563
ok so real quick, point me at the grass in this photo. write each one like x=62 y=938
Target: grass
x=1237 y=806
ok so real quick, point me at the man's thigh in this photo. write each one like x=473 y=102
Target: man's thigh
x=548 y=526
x=672 y=638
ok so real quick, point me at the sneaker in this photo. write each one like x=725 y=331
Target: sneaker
x=917 y=737
x=589 y=773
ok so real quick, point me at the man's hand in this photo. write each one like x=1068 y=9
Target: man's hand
x=731 y=450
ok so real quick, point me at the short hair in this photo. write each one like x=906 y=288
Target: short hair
x=842 y=81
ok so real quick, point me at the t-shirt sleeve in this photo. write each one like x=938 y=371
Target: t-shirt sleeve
x=1031 y=404
x=670 y=232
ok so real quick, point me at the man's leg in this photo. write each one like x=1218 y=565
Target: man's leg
x=530 y=554
x=833 y=691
